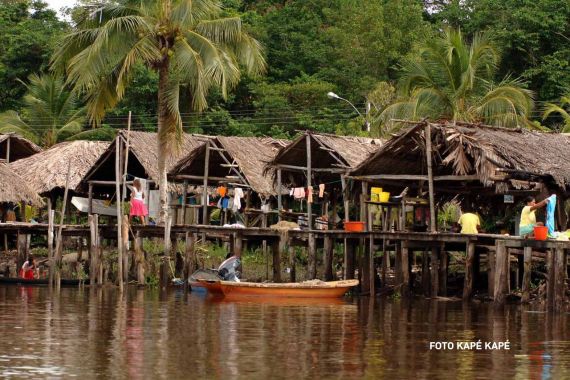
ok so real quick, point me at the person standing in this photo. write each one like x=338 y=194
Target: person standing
x=470 y=222
x=138 y=208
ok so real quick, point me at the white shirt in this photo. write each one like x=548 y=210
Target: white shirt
x=138 y=195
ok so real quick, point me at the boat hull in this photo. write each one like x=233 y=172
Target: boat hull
x=39 y=281
x=213 y=287
x=333 y=289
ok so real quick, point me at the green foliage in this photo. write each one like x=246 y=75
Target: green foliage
x=50 y=112
x=453 y=80
x=28 y=31
x=562 y=110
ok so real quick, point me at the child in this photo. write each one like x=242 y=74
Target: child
x=28 y=268
x=138 y=208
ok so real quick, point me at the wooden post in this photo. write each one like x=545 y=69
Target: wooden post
x=365 y=268
x=348 y=264
x=372 y=267
x=551 y=277
x=501 y=268
x=443 y=263
x=184 y=196
x=51 y=219
x=238 y=244
x=140 y=260
x=279 y=195
x=190 y=257
x=119 y=210
x=53 y=275
x=350 y=250
x=309 y=175
x=126 y=159
x=94 y=248
x=426 y=276
x=526 y=274
x=433 y=227
x=292 y=263
x=328 y=248
x=363 y=207
x=468 y=284
x=276 y=260
x=125 y=242
x=205 y=185
x=398 y=272
x=312 y=247
x=435 y=261
x=560 y=277
x=405 y=268
x=491 y=272
x=8 y=156
x=386 y=261
x=90 y=211
x=23 y=250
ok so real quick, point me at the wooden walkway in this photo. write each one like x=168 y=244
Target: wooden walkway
x=365 y=255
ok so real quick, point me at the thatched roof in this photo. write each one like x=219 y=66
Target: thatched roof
x=348 y=150
x=143 y=156
x=19 y=147
x=250 y=154
x=491 y=154
x=15 y=189
x=47 y=170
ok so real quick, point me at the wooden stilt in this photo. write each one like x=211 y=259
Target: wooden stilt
x=23 y=250
x=527 y=274
x=469 y=262
x=50 y=233
x=309 y=181
x=491 y=272
x=372 y=267
x=426 y=275
x=551 y=277
x=118 y=146
x=432 y=224
x=365 y=260
x=279 y=195
x=125 y=237
x=443 y=264
x=405 y=269
x=312 y=247
x=398 y=271
x=501 y=277
x=238 y=244
x=276 y=261
x=385 y=262
x=140 y=260
x=328 y=253
x=435 y=262
x=350 y=251
x=292 y=263
x=560 y=277
x=55 y=270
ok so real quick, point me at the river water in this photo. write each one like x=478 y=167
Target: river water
x=149 y=334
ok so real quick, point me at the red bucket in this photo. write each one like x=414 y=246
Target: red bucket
x=540 y=233
x=354 y=226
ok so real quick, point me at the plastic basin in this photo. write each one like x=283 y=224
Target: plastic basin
x=540 y=233
x=354 y=226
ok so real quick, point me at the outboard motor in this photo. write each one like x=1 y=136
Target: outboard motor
x=228 y=269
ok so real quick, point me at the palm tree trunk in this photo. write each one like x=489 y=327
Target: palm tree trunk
x=162 y=144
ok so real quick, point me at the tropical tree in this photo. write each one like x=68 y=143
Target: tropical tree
x=562 y=109
x=189 y=43
x=453 y=80
x=51 y=112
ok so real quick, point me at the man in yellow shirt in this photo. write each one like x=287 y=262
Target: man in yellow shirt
x=528 y=216
x=470 y=223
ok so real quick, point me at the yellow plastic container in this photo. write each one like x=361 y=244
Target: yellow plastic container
x=375 y=190
x=375 y=197
x=384 y=197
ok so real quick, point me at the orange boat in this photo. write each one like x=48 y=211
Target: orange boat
x=212 y=286
x=308 y=289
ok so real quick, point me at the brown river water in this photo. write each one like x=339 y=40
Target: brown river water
x=148 y=334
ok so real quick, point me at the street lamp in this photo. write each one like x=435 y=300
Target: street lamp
x=332 y=95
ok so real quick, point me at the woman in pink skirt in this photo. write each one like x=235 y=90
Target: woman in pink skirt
x=138 y=207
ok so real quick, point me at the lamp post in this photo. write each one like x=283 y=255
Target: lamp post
x=332 y=95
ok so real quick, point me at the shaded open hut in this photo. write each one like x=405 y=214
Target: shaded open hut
x=141 y=162
x=13 y=147
x=238 y=162
x=15 y=189
x=46 y=172
x=314 y=159
x=475 y=162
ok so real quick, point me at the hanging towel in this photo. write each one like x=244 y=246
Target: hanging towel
x=550 y=208
x=310 y=194
x=291 y=191
x=225 y=202
x=238 y=194
x=299 y=193
x=321 y=190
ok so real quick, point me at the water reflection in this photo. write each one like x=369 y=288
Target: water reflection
x=145 y=334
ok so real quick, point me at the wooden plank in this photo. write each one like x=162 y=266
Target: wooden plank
x=328 y=249
x=426 y=275
x=119 y=211
x=304 y=169
x=140 y=260
x=90 y=199
x=397 y=177
x=279 y=195
x=491 y=272
x=93 y=248
x=501 y=268
x=526 y=282
x=443 y=265
x=312 y=254
x=372 y=267
x=469 y=262
x=205 y=184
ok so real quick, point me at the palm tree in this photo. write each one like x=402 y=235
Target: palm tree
x=559 y=109
x=453 y=80
x=50 y=114
x=187 y=42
